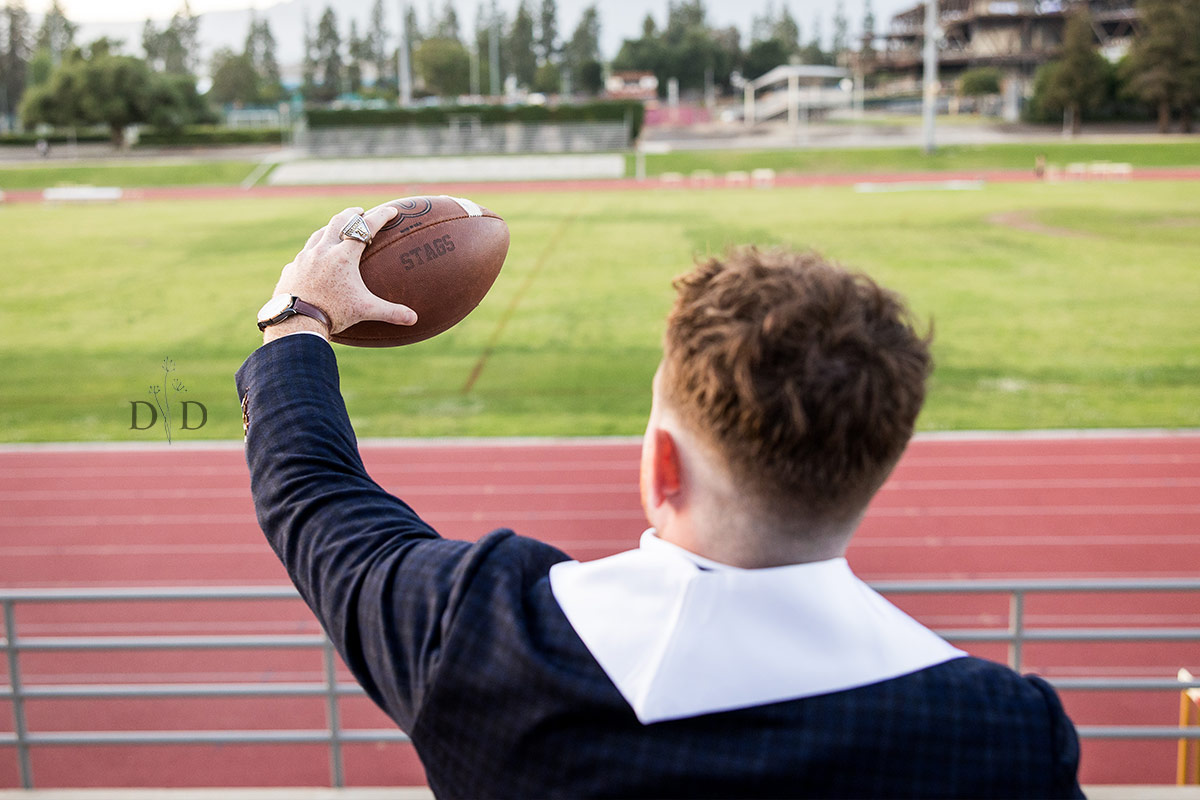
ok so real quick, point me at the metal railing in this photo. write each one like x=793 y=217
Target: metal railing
x=1015 y=636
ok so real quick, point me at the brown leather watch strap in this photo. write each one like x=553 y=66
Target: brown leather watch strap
x=309 y=310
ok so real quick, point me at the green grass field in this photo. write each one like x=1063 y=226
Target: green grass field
x=910 y=159
x=42 y=175
x=1070 y=305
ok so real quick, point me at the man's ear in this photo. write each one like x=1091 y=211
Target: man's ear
x=666 y=475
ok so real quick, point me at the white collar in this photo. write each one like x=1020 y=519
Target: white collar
x=680 y=635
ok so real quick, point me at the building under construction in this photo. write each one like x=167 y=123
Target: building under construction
x=1014 y=36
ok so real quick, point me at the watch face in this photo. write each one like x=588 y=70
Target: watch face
x=274 y=307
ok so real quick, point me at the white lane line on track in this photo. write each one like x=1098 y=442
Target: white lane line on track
x=503 y=442
x=630 y=487
x=94 y=520
x=626 y=466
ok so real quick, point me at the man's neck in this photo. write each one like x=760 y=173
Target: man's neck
x=751 y=544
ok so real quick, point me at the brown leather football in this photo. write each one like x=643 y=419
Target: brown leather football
x=439 y=256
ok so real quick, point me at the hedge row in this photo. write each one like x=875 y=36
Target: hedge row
x=30 y=138
x=192 y=135
x=610 y=111
x=209 y=135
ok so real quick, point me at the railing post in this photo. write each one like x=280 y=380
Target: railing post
x=1016 y=627
x=18 y=699
x=334 y=717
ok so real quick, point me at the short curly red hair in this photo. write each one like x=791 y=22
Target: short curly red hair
x=805 y=377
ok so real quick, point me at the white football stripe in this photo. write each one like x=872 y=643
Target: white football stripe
x=472 y=209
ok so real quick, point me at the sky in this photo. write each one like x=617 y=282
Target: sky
x=620 y=19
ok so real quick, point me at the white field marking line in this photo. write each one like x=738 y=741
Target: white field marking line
x=457 y=490
x=501 y=442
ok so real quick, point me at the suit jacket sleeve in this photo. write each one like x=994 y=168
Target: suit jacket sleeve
x=382 y=582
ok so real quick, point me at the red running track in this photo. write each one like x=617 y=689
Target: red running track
x=961 y=507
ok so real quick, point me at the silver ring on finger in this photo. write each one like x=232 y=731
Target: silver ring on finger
x=357 y=230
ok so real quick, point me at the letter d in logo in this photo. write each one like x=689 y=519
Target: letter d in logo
x=133 y=424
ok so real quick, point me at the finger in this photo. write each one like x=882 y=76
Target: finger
x=313 y=239
x=333 y=231
x=379 y=216
x=394 y=313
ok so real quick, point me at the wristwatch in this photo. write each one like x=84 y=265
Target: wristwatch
x=283 y=306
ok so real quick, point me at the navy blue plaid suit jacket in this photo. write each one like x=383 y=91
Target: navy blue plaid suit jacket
x=465 y=647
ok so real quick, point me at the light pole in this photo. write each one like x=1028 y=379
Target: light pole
x=929 y=82
x=403 y=73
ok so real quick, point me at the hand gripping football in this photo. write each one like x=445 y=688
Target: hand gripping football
x=439 y=256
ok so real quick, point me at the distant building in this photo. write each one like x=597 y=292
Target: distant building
x=632 y=85
x=1015 y=36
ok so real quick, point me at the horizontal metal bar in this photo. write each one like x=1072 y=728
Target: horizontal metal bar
x=1136 y=732
x=318 y=736
x=103 y=690
x=982 y=586
x=1072 y=635
x=152 y=690
x=291 y=736
x=44 y=643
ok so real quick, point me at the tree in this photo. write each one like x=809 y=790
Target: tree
x=260 y=50
x=377 y=49
x=308 y=65
x=445 y=27
x=56 y=34
x=547 y=31
x=581 y=55
x=841 y=31
x=175 y=48
x=1079 y=78
x=101 y=88
x=328 y=59
x=687 y=49
x=521 y=57
x=235 y=81
x=868 y=32
x=813 y=52
x=979 y=81
x=444 y=65
x=487 y=20
x=774 y=41
x=547 y=79
x=357 y=50
x=1163 y=67
x=15 y=54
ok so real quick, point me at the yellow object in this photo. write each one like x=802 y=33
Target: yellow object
x=1187 y=771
